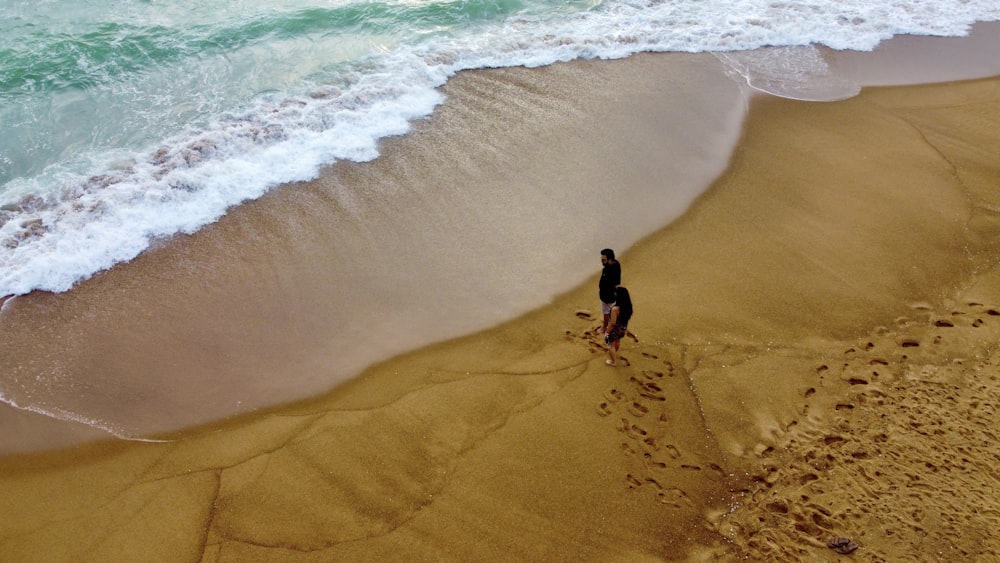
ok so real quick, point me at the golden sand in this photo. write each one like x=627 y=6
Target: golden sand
x=814 y=357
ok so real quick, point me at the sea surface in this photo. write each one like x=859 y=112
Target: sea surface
x=122 y=121
x=127 y=124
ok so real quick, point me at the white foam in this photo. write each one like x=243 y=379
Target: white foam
x=191 y=181
x=62 y=414
x=799 y=73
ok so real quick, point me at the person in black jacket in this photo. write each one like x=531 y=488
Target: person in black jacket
x=611 y=277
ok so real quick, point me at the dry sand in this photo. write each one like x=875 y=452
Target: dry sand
x=814 y=357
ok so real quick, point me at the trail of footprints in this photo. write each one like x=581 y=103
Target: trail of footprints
x=639 y=408
x=913 y=426
x=643 y=420
x=905 y=454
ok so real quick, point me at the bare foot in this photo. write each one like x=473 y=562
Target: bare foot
x=610 y=363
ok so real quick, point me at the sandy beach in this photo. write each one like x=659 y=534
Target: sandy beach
x=813 y=356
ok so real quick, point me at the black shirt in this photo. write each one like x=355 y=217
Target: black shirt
x=611 y=277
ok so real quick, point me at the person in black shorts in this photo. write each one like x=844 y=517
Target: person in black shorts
x=621 y=314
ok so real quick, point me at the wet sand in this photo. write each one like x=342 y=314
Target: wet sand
x=813 y=356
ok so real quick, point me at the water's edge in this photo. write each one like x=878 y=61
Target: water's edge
x=217 y=315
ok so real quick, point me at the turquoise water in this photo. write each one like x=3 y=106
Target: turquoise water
x=127 y=74
x=127 y=120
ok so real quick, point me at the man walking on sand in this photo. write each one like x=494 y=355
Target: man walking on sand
x=611 y=277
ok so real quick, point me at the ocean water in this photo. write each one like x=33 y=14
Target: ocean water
x=123 y=121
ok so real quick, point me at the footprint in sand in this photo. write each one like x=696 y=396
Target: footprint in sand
x=633 y=483
x=650 y=356
x=779 y=506
x=631 y=430
x=653 y=463
x=652 y=396
x=808 y=478
x=636 y=432
x=603 y=410
x=718 y=469
x=674 y=497
x=648 y=390
x=614 y=395
x=623 y=425
x=638 y=409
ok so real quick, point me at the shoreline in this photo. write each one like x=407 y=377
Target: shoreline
x=781 y=321
x=265 y=290
x=319 y=280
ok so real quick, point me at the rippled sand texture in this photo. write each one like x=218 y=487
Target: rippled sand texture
x=813 y=357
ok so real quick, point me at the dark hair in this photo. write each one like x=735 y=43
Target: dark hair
x=624 y=303
x=609 y=253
